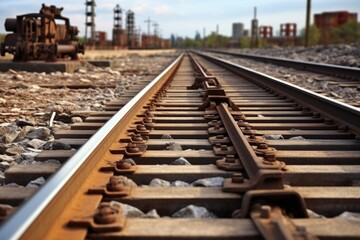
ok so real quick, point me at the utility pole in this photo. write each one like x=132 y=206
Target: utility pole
x=307 y=29
x=155 y=25
x=148 y=21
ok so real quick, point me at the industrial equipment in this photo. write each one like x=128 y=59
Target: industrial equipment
x=46 y=35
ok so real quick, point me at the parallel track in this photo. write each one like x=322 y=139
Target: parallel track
x=323 y=68
x=323 y=168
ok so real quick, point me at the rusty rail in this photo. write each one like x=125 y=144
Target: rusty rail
x=46 y=204
x=346 y=115
x=323 y=68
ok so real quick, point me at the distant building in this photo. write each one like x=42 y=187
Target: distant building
x=237 y=31
x=266 y=31
x=288 y=30
x=246 y=33
x=327 y=20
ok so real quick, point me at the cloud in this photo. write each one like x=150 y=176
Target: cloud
x=162 y=10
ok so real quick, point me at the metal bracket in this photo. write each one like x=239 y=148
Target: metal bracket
x=264 y=179
x=106 y=219
x=270 y=210
x=128 y=149
x=229 y=163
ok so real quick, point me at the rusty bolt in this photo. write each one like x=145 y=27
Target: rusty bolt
x=149 y=114
x=237 y=178
x=218 y=145
x=132 y=148
x=219 y=136
x=270 y=155
x=217 y=127
x=212 y=105
x=241 y=123
x=242 y=117
x=114 y=185
x=106 y=214
x=123 y=165
x=141 y=127
x=137 y=137
x=262 y=145
x=224 y=147
x=252 y=136
x=265 y=211
x=147 y=120
x=247 y=127
x=230 y=159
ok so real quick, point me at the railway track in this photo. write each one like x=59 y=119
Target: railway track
x=338 y=82
x=280 y=149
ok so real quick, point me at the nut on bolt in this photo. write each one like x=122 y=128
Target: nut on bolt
x=265 y=211
x=237 y=178
x=123 y=165
x=137 y=137
x=114 y=185
x=106 y=214
x=132 y=148
x=230 y=159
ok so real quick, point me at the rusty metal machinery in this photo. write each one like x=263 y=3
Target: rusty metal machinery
x=46 y=35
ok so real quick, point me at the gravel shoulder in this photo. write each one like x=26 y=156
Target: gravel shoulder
x=29 y=100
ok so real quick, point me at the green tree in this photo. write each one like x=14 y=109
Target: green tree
x=314 y=37
x=347 y=33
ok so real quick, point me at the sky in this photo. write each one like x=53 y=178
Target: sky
x=184 y=17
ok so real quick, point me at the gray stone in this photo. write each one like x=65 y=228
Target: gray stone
x=151 y=214
x=180 y=161
x=166 y=136
x=209 y=182
x=40 y=133
x=179 y=183
x=76 y=120
x=36 y=183
x=6 y=158
x=14 y=150
x=24 y=131
x=313 y=214
x=157 y=182
x=126 y=181
x=173 y=146
x=52 y=161
x=273 y=136
x=81 y=70
x=349 y=216
x=3 y=148
x=2 y=178
x=297 y=138
x=28 y=156
x=128 y=210
x=56 y=145
x=12 y=185
x=9 y=137
x=4 y=166
x=55 y=108
x=24 y=122
x=36 y=143
x=131 y=161
x=193 y=211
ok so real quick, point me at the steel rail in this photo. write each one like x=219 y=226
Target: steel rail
x=323 y=68
x=344 y=114
x=66 y=179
